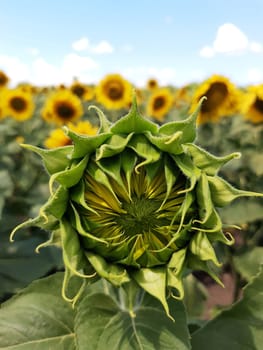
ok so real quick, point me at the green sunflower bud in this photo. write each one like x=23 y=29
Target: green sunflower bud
x=136 y=203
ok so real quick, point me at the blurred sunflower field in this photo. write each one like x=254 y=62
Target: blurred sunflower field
x=229 y=120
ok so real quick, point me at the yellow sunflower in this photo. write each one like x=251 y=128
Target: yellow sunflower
x=152 y=84
x=252 y=107
x=114 y=92
x=89 y=93
x=62 y=107
x=18 y=104
x=61 y=87
x=2 y=114
x=159 y=103
x=222 y=99
x=28 y=88
x=58 y=138
x=182 y=96
x=4 y=79
x=44 y=90
x=83 y=91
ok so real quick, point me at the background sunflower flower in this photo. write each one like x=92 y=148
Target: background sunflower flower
x=78 y=89
x=152 y=84
x=62 y=107
x=4 y=79
x=58 y=138
x=159 y=104
x=252 y=106
x=114 y=92
x=83 y=91
x=223 y=99
x=135 y=204
x=18 y=104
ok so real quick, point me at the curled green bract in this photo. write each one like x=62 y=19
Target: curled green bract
x=136 y=203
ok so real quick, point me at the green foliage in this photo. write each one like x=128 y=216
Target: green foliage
x=234 y=134
x=192 y=217
x=38 y=318
x=248 y=262
x=124 y=318
x=19 y=264
x=238 y=328
x=23 y=188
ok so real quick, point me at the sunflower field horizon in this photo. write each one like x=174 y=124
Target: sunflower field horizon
x=131 y=217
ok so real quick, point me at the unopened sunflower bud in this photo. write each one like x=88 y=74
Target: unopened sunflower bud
x=136 y=202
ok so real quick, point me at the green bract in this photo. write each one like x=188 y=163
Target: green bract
x=135 y=205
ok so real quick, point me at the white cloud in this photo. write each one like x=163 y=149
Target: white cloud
x=230 y=40
x=41 y=72
x=256 y=47
x=127 y=48
x=140 y=75
x=33 y=51
x=195 y=75
x=14 y=68
x=102 y=47
x=255 y=76
x=81 y=44
x=75 y=63
x=207 y=52
x=165 y=76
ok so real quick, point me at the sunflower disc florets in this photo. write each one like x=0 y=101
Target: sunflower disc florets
x=136 y=202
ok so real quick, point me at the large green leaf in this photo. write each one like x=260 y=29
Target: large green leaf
x=38 y=318
x=154 y=282
x=101 y=324
x=20 y=265
x=248 y=263
x=195 y=296
x=238 y=328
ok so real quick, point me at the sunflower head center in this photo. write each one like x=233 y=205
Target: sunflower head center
x=115 y=91
x=18 y=104
x=3 y=79
x=78 y=90
x=158 y=103
x=140 y=216
x=152 y=84
x=258 y=105
x=135 y=220
x=64 y=110
x=216 y=94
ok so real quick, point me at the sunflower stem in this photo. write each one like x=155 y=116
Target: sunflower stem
x=130 y=297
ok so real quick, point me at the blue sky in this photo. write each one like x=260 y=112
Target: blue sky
x=176 y=42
